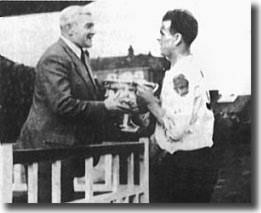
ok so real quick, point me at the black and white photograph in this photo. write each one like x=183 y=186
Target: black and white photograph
x=126 y=102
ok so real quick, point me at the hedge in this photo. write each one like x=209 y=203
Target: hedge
x=16 y=89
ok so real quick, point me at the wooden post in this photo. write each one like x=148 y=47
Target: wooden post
x=116 y=172
x=108 y=171
x=56 y=181
x=6 y=172
x=88 y=179
x=131 y=170
x=144 y=170
x=33 y=183
x=140 y=197
x=18 y=183
x=136 y=198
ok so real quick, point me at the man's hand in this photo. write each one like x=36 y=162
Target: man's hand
x=133 y=105
x=116 y=104
x=145 y=96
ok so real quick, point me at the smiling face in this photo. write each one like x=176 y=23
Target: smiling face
x=82 y=31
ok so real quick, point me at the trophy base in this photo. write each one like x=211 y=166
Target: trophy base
x=129 y=129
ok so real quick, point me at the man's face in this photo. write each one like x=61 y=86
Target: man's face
x=166 y=40
x=83 y=31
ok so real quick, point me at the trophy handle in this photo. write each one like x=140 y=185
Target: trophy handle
x=156 y=87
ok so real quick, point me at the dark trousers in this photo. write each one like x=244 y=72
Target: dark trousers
x=185 y=176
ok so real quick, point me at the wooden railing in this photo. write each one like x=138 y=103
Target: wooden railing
x=112 y=154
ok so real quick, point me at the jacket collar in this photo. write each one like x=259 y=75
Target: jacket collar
x=82 y=69
x=72 y=46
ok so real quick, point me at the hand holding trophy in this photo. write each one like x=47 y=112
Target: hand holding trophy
x=124 y=89
x=145 y=94
x=114 y=102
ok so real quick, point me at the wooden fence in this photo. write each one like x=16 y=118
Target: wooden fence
x=113 y=154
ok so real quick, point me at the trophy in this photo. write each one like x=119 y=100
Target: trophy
x=124 y=87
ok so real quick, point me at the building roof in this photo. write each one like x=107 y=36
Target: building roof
x=129 y=61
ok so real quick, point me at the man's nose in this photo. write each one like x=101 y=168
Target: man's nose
x=159 y=40
x=92 y=31
x=91 y=34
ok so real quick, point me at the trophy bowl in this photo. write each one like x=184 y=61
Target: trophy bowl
x=126 y=91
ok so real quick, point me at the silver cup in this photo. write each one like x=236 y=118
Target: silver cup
x=126 y=91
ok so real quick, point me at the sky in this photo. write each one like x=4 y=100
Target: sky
x=222 y=46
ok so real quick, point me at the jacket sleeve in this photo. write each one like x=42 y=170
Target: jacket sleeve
x=55 y=77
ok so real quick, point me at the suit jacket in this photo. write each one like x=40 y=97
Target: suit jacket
x=66 y=110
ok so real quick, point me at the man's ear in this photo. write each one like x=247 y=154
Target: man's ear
x=178 y=38
x=69 y=29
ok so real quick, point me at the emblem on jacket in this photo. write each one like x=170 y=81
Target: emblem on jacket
x=181 y=85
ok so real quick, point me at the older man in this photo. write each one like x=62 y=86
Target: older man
x=67 y=109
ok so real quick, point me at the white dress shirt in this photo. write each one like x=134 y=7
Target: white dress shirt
x=188 y=123
x=77 y=50
x=73 y=47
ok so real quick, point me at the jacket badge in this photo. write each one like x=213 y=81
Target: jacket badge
x=181 y=85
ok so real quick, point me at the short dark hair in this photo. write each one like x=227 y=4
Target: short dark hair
x=183 y=22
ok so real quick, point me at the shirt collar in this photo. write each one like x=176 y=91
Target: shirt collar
x=72 y=46
x=180 y=62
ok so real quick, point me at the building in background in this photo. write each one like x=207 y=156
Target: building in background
x=132 y=66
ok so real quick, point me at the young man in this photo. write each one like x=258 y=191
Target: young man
x=181 y=169
x=67 y=108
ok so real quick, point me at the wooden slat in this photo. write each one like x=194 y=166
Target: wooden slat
x=36 y=155
x=116 y=172
x=18 y=182
x=136 y=198
x=88 y=179
x=141 y=197
x=144 y=170
x=123 y=191
x=6 y=170
x=33 y=183
x=131 y=170
x=108 y=171
x=56 y=182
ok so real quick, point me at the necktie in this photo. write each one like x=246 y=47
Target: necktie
x=85 y=61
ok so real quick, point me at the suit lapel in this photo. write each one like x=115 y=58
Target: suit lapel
x=80 y=67
x=89 y=71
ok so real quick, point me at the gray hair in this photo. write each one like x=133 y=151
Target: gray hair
x=70 y=15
